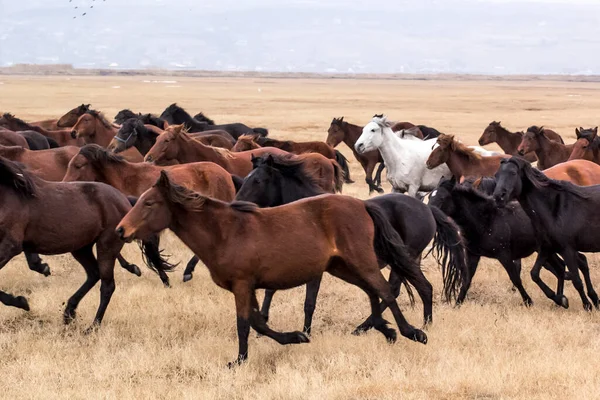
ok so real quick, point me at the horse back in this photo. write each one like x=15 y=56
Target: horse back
x=207 y=178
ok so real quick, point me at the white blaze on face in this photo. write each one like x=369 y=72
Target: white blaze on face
x=434 y=193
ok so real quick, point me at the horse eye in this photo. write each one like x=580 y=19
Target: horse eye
x=372 y=130
x=148 y=204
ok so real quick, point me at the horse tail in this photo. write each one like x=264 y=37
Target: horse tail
x=237 y=182
x=343 y=161
x=338 y=177
x=390 y=248
x=261 y=131
x=53 y=144
x=154 y=259
x=451 y=255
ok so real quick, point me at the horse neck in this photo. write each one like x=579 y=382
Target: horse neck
x=146 y=141
x=507 y=140
x=472 y=213
x=534 y=202
x=292 y=191
x=14 y=153
x=394 y=151
x=458 y=164
x=125 y=176
x=548 y=150
x=351 y=134
x=103 y=135
x=191 y=150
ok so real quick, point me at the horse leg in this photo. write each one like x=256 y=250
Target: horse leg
x=34 y=262
x=9 y=248
x=369 y=179
x=85 y=257
x=556 y=266
x=535 y=276
x=189 y=269
x=472 y=264
x=585 y=270
x=513 y=273
x=266 y=306
x=310 y=303
x=378 y=174
x=108 y=250
x=242 y=291
x=128 y=266
x=258 y=323
x=571 y=258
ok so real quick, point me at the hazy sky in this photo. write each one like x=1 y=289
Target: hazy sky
x=389 y=36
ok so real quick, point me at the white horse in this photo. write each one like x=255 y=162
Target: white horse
x=404 y=158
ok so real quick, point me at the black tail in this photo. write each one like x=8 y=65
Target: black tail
x=153 y=258
x=451 y=254
x=390 y=248
x=237 y=182
x=52 y=143
x=261 y=131
x=343 y=161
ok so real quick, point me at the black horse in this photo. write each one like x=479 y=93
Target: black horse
x=203 y=118
x=564 y=216
x=428 y=132
x=505 y=234
x=278 y=181
x=148 y=119
x=177 y=115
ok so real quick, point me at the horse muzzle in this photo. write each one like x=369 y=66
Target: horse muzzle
x=360 y=148
x=120 y=231
x=501 y=199
x=74 y=134
x=521 y=152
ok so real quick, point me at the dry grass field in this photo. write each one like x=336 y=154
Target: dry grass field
x=175 y=343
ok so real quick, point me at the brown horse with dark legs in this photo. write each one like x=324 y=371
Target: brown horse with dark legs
x=57 y=218
x=548 y=153
x=461 y=160
x=342 y=131
x=251 y=142
x=66 y=121
x=587 y=146
x=92 y=127
x=176 y=145
x=338 y=234
x=50 y=165
x=62 y=137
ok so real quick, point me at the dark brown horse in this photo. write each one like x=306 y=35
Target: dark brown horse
x=176 y=145
x=461 y=160
x=279 y=248
x=50 y=165
x=62 y=137
x=548 y=152
x=57 y=218
x=342 y=131
x=587 y=146
x=92 y=127
x=66 y=121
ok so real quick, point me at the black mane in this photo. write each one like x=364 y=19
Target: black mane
x=22 y=125
x=203 y=118
x=16 y=178
x=99 y=155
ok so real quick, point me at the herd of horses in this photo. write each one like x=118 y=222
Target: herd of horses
x=262 y=213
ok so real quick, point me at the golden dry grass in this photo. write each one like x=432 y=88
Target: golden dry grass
x=174 y=343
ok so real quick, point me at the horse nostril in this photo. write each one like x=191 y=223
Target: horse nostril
x=74 y=134
x=148 y=158
x=120 y=232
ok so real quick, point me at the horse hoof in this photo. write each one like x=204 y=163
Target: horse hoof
x=380 y=190
x=587 y=307
x=135 y=270
x=68 y=316
x=299 y=337
x=166 y=284
x=187 y=277
x=528 y=303
x=22 y=303
x=45 y=270
x=420 y=336
x=564 y=302
x=358 y=331
x=240 y=360
x=91 y=329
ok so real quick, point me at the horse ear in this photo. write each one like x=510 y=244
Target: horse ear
x=342 y=119
x=270 y=160
x=578 y=133
x=595 y=130
x=453 y=180
x=163 y=180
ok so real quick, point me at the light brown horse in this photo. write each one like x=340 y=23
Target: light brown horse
x=587 y=146
x=93 y=163
x=548 y=152
x=56 y=218
x=579 y=172
x=279 y=248
x=62 y=137
x=10 y=138
x=176 y=145
x=92 y=127
x=50 y=165
x=462 y=161
x=509 y=141
x=66 y=121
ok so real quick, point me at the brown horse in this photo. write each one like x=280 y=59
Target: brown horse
x=509 y=141
x=50 y=165
x=62 y=137
x=461 y=160
x=66 y=121
x=57 y=218
x=579 y=172
x=176 y=145
x=93 y=163
x=279 y=248
x=254 y=141
x=548 y=152
x=342 y=131
x=587 y=146
x=10 y=138
x=92 y=127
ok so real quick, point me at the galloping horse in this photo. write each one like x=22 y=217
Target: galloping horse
x=548 y=152
x=280 y=248
x=147 y=119
x=56 y=218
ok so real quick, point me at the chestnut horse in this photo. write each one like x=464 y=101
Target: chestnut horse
x=251 y=142
x=57 y=218
x=176 y=145
x=548 y=152
x=509 y=141
x=280 y=248
x=461 y=160
x=62 y=137
x=343 y=131
x=50 y=165
x=587 y=145
x=92 y=127
x=66 y=121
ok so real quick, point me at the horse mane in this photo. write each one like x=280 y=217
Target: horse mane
x=382 y=121
x=98 y=155
x=101 y=117
x=17 y=121
x=13 y=176
x=151 y=119
x=289 y=167
x=540 y=181
x=248 y=138
x=446 y=141
x=201 y=117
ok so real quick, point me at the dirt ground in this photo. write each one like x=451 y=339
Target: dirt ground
x=175 y=343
